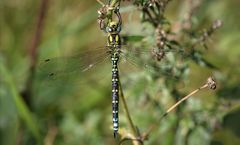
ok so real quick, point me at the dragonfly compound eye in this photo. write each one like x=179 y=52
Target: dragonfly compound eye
x=118 y=28
x=108 y=29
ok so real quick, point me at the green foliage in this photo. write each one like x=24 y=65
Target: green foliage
x=80 y=113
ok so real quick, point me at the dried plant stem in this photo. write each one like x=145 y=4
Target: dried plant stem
x=38 y=32
x=210 y=84
x=33 y=51
x=51 y=135
x=185 y=98
x=114 y=3
x=99 y=1
x=129 y=119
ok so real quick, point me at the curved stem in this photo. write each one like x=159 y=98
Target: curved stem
x=130 y=122
x=113 y=3
x=153 y=126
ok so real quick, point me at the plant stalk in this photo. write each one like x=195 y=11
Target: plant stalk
x=130 y=122
x=211 y=84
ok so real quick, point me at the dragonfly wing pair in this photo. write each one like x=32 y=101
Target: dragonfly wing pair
x=74 y=69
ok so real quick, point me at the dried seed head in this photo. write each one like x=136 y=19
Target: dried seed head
x=161 y=37
x=211 y=83
x=217 y=24
x=158 y=54
x=102 y=14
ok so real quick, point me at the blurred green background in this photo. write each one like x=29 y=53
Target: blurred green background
x=81 y=114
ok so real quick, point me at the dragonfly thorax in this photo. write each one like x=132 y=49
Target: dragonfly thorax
x=114 y=40
x=113 y=29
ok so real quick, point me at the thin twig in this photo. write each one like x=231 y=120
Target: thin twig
x=38 y=33
x=130 y=122
x=51 y=135
x=207 y=33
x=99 y=1
x=33 y=51
x=211 y=84
x=115 y=3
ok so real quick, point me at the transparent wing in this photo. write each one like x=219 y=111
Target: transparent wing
x=149 y=60
x=73 y=68
x=156 y=53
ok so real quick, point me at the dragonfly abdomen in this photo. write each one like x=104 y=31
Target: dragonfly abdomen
x=115 y=92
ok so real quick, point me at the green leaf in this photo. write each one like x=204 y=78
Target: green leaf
x=133 y=38
x=21 y=107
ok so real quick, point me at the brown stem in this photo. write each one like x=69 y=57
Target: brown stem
x=211 y=84
x=51 y=135
x=33 y=51
x=38 y=32
x=130 y=122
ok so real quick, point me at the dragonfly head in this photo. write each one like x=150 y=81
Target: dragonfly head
x=113 y=27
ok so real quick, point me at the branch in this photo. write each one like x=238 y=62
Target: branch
x=33 y=51
x=129 y=119
x=210 y=83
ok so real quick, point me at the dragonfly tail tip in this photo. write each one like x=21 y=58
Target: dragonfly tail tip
x=115 y=134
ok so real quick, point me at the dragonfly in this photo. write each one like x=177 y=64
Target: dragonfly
x=57 y=68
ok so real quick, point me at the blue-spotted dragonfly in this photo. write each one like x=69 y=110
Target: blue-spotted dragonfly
x=80 y=64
